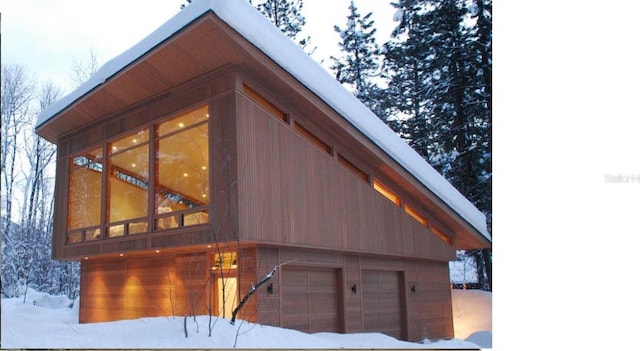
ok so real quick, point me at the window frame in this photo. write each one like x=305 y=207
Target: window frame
x=131 y=226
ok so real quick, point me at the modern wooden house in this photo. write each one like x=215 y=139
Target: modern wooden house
x=215 y=149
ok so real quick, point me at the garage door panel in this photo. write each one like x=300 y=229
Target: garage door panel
x=382 y=302
x=310 y=299
x=295 y=278
x=295 y=304
x=322 y=279
x=295 y=321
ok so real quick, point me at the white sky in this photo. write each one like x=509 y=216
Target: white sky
x=46 y=36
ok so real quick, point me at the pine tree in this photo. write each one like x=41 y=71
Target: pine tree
x=287 y=16
x=439 y=69
x=404 y=70
x=480 y=105
x=358 y=67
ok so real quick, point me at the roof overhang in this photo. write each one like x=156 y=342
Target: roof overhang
x=210 y=34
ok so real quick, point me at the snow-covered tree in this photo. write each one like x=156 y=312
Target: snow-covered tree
x=438 y=66
x=287 y=16
x=358 y=67
x=407 y=78
x=17 y=94
x=27 y=174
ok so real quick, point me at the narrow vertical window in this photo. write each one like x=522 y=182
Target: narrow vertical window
x=85 y=196
x=182 y=157
x=128 y=184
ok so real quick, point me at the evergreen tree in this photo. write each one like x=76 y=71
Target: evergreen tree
x=439 y=73
x=407 y=79
x=287 y=16
x=480 y=106
x=358 y=67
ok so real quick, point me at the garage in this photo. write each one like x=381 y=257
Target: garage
x=382 y=302
x=310 y=299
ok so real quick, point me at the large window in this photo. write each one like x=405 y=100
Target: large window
x=182 y=159
x=85 y=196
x=170 y=192
x=128 y=184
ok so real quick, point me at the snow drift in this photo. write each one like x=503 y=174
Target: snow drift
x=45 y=321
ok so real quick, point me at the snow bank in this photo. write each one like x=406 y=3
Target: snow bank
x=58 y=327
x=481 y=338
x=472 y=315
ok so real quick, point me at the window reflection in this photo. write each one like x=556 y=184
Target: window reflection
x=85 y=190
x=128 y=181
x=183 y=167
x=180 y=192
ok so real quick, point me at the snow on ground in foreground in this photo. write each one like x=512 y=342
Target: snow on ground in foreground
x=47 y=322
x=472 y=315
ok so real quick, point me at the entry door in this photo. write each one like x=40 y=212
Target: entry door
x=383 y=302
x=227 y=292
x=310 y=299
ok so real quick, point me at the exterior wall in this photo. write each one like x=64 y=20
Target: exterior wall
x=425 y=313
x=292 y=192
x=215 y=89
x=277 y=197
x=179 y=284
x=152 y=286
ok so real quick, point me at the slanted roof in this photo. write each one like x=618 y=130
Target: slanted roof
x=261 y=33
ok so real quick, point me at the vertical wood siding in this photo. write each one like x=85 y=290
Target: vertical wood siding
x=310 y=299
x=383 y=301
x=383 y=307
x=129 y=288
x=291 y=192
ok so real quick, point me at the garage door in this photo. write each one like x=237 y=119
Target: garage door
x=382 y=302
x=310 y=299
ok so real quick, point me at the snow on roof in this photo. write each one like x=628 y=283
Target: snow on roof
x=257 y=29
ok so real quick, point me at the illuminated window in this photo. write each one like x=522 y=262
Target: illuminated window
x=386 y=192
x=85 y=192
x=182 y=159
x=413 y=213
x=225 y=260
x=128 y=178
x=440 y=234
x=226 y=283
x=178 y=197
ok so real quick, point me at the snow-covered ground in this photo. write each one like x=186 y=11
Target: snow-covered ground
x=45 y=321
